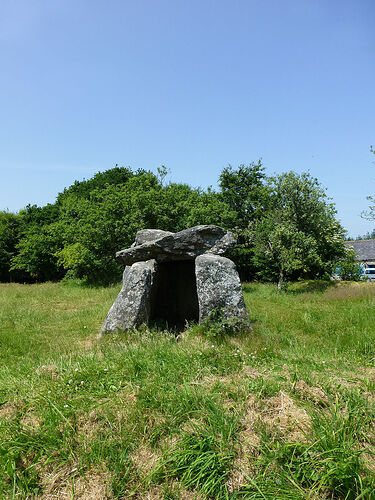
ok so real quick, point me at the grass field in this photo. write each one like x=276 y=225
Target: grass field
x=285 y=411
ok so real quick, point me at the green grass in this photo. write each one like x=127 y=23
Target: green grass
x=284 y=411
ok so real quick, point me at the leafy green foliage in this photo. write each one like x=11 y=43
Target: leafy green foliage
x=93 y=219
x=299 y=235
x=348 y=268
x=10 y=227
x=37 y=254
x=285 y=226
x=246 y=192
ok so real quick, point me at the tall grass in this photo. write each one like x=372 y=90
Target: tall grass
x=284 y=410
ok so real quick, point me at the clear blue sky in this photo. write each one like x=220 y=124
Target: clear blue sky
x=191 y=84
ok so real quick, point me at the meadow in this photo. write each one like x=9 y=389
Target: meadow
x=282 y=411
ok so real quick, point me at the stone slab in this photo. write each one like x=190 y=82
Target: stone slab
x=147 y=235
x=184 y=245
x=218 y=287
x=132 y=305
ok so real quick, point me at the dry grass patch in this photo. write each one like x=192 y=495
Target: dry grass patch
x=282 y=412
x=159 y=493
x=31 y=420
x=369 y=458
x=248 y=442
x=105 y=414
x=246 y=372
x=49 y=371
x=344 y=379
x=8 y=410
x=314 y=394
x=349 y=291
x=67 y=484
x=248 y=434
x=91 y=424
x=145 y=459
x=91 y=343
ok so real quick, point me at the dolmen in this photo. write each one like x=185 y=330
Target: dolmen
x=174 y=278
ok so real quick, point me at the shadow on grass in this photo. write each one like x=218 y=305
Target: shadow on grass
x=250 y=287
x=77 y=283
x=292 y=288
x=311 y=287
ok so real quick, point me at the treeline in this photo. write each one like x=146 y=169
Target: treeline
x=370 y=235
x=285 y=225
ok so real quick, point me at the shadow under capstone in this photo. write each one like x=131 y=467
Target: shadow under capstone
x=174 y=298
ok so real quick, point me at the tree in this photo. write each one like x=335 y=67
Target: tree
x=298 y=235
x=10 y=226
x=36 y=255
x=285 y=226
x=246 y=193
x=348 y=267
x=370 y=235
x=244 y=190
x=281 y=249
x=79 y=235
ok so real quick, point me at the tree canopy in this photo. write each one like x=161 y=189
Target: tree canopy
x=299 y=235
x=285 y=225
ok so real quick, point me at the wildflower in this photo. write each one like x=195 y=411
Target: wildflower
x=76 y=369
x=105 y=369
x=212 y=345
x=66 y=406
x=82 y=382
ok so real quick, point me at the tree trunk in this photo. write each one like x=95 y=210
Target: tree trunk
x=281 y=280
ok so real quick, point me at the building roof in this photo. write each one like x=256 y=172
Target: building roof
x=364 y=249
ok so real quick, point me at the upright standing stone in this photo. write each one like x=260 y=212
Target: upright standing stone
x=218 y=287
x=132 y=305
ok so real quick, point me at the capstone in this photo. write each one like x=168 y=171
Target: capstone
x=184 y=245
